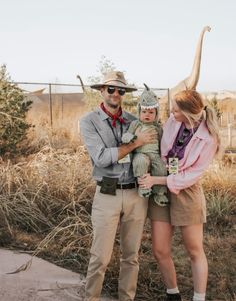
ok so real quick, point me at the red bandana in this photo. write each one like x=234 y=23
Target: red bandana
x=114 y=117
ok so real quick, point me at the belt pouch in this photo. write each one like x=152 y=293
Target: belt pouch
x=109 y=185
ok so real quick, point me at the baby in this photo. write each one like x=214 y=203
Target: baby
x=147 y=157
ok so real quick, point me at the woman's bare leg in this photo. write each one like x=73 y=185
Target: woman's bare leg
x=161 y=244
x=193 y=241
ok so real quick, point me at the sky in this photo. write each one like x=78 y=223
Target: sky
x=153 y=41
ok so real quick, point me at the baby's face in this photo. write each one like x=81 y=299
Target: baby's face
x=147 y=115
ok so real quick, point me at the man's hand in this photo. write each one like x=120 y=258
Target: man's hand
x=145 y=137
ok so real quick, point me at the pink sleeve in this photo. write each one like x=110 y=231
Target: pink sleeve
x=165 y=140
x=192 y=174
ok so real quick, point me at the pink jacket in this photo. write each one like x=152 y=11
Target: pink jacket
x=198 y=154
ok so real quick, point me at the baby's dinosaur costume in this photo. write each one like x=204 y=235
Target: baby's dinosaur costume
x=147 y=158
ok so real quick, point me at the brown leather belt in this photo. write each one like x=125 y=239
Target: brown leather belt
x=122 y=186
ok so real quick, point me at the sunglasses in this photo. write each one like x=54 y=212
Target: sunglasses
x=111 y=90
x=185 y=134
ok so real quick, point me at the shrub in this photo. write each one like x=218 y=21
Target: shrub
x=13 y=109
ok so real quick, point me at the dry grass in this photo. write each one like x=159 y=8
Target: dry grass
x=220 y=190
x=45 y=205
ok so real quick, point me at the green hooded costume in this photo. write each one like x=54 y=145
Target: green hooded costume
x=147 y=158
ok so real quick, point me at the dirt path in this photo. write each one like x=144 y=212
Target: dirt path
x=43 y=281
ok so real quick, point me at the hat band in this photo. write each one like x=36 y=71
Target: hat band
x=114 y=80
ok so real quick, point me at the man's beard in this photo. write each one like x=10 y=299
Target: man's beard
x=111 y=105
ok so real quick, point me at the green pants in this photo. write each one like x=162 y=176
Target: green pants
x=151 y=162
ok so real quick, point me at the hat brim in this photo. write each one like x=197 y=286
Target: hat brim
x=115 y=84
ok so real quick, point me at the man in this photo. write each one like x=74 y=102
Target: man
x=116 y=199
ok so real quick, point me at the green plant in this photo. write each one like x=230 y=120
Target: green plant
x=13 y=109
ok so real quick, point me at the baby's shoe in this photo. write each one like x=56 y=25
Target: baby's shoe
x=144 y=193
x=160 y=199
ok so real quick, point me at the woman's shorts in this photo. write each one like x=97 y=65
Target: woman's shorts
x=186 y=208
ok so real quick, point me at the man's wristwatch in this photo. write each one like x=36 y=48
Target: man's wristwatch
x=134 y=138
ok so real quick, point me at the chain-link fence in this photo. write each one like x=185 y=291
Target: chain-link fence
x=59 y=105
x=56 y=100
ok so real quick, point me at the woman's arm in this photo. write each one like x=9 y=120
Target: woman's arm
x=147 y=181
x=186 y=177
x=193 y=173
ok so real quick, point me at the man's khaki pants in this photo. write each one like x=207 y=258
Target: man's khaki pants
x=131 y=210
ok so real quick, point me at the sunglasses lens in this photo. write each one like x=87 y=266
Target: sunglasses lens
x=180 y=142
x=110 y=90
x=121 y=91
x=185 y=134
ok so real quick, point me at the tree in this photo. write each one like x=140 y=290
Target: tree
x=13 y=109
x=105 y=65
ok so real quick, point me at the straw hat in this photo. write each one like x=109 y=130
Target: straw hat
x=116 y=79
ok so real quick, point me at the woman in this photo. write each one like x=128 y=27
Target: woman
x=189 y=143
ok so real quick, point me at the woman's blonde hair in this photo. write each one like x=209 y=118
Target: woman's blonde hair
x=191 y=105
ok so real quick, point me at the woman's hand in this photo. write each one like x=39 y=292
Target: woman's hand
x=146 y=181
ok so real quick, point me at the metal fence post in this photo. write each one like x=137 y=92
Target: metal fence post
x=62 y=107
x=50 y=103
